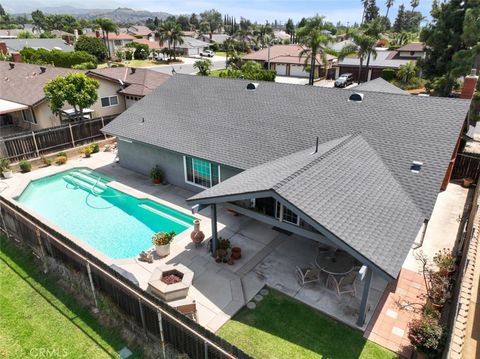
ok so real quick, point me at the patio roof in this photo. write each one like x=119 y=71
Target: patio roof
x=10 y=106
x=344 y=190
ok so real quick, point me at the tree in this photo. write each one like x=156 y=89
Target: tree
x=93 y=46
x=25 y=35
x=316 y=40
x=371 y=11
x=389 y=4
x=176 y=37
x=203 y=67
x=400 y=20
x=414 y=4
x=39 y=20
x=107 y=27
x=452 y=40
x=194 y=23
x=290 y=29
x=2 y=11
x=374 y=30
x=184 y=22
x=364 y=5
x=140 y=51
x=77 y=89
x=364 y=44
x=213 y=18
x=407 y=72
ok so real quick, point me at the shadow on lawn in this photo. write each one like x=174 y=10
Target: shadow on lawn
x=26 y=263
x=295 y=322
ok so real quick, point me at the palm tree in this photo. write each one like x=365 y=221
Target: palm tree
x=176 y=37
x=364 y=45
x=107 y=26
x=229 y=47
x=407 y=72
x=388 y=4
x=374 y=31
x=203 y=67
x=165 y=32
x=316 y=40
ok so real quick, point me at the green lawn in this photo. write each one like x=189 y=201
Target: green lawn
x=220 y=53
x=36 y=317
x=215 y=73
x=281 y=327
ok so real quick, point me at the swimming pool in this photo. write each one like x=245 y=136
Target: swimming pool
x=119 y=225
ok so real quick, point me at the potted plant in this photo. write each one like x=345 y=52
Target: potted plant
x=438 y=290
x=223 y=246
x=236 y=253
x=156 y=175
x=87 y=151
x=445 y=261
x=5 y=168
x=426 y=335
x=61 y=160
x=162 y=240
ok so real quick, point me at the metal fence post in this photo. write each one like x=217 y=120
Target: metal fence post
x=35 y=143
x=71 y=133
x=162 y=339
x=206 y=350
x=92 y=286
x=42 y=252
x=141 y=315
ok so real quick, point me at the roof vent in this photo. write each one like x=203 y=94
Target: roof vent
x=43 y=69
x=356 y=97
x=12 y=65
x=416 y=166
x=252 y=86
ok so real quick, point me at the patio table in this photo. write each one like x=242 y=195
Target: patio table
x=335 y=263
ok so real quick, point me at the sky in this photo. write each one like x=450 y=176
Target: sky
x=256 y=10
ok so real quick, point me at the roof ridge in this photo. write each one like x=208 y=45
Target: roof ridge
x=316 y=160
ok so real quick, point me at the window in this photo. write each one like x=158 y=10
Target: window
x=109 y=101
x=29 y=116
x=201 y=173
x=288 y=215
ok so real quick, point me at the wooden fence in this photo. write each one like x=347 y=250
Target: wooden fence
x=26 y=145
x=466 y=166
x=156 y=317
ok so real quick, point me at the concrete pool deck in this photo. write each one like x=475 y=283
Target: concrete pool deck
x=219 y=290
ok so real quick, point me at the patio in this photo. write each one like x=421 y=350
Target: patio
x=269 y=257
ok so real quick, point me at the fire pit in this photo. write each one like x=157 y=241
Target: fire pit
x=170 y=282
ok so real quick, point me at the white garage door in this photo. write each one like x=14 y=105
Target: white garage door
x=281 y=69
x=298 y=71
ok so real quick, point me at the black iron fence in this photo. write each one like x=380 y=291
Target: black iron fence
x=32 y=144
x=156 y=317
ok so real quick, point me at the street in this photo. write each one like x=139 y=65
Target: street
x=187 y=66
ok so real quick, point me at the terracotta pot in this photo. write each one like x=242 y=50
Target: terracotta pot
x=197 y=236
x=236 y=253
x=164 y=250
x=157 y=180
x=467 y=182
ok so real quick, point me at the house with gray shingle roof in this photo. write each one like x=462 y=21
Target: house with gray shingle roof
x=379 y=85
x=356 y=172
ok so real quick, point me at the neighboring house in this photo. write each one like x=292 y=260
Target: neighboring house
x=151 y=43
x=286 y=60
x=190 y=46
x=23 y=104
x=214 y=38
x=16 y=45
x=385 y=60
x=413 y=51
x=128 y=84
x=379 y=85
x=139 y=30
x=281 y=36
x=116 y=41
x=361 y=175
x=68 y=37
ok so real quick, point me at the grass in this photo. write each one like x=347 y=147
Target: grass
x=216 y=73
x=38 y=319
x=282 y=327
x=220 y=53
x=142 y=63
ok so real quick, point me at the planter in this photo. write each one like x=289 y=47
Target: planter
x=222 y=253
x=164 y=250
x=236 y=253
x=157 y=180
x=197 y=236
x=438 y=307
x=8 y=174
x=467 y=182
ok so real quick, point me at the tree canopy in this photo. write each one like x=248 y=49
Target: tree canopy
x=93 y=46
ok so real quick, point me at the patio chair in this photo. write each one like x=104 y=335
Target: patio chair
x=307 y=275
x=343 y=284
x=190 y=310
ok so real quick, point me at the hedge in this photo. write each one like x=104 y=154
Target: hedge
x=56 y=57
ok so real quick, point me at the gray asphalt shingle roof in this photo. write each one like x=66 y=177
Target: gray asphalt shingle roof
x=220 y=121
x=380 y=85
x=347 y=189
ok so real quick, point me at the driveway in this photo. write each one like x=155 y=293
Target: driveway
x=187 y=66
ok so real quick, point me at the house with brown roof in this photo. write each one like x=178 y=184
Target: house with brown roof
x=414 y=51
x=115 y=41
x=286 y=60
x=139 y=30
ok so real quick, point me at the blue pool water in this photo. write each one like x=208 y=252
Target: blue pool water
x=80 y=202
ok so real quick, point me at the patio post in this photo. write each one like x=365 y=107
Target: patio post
x=363 y=304
x=214 y=243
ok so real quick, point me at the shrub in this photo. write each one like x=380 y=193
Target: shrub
x=141 y=50
x=4 y=165
x=389 y=74
x=445 y=260
x=426 y=334
x=46 y=161
x=163 y=238
x=85 y=66
x=61 y=160
x=95 y=148
x=25 y=166
x=64 y=154
x=92 y=45
x=56 y=57
x=87 y=151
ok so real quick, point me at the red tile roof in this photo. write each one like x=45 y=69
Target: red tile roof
x=151 y=44
x=112 y=36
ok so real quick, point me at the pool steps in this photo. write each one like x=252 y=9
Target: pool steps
x=84 y=184
x=162 y=214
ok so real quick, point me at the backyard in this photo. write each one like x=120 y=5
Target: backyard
x=38 y=319
x=281 y=327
